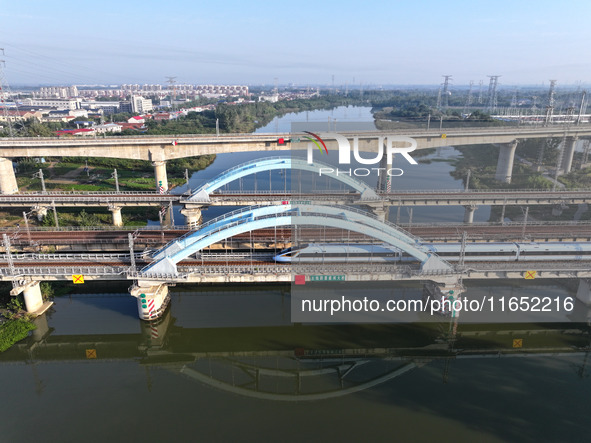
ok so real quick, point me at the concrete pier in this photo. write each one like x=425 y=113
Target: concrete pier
x=161 y=177
x=568 y=154
x=116 y=213
x=154 y=332
x=384 y=180
x=7 y=178
x=193 y=216
x=505 y=162
x=40 y=211
x=152 y=299
x=584 y=291
x=469 y=214
x=31 y=290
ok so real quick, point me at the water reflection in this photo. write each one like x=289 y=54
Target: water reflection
x=468 y=382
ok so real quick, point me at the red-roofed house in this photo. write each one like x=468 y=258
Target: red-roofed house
x=16 y=115
x=78 y=132
x=136 y=119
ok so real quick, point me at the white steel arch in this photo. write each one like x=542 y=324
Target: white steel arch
x=250 y=219
x=201 y=195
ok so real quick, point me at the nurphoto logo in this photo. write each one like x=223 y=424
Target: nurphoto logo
x=387 y=145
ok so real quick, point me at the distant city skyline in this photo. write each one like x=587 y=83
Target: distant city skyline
x=377 y=43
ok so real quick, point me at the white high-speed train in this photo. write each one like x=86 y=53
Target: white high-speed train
x=376 y=253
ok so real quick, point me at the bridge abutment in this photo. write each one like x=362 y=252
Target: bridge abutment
x=152 y=299
x=161 y=177
x=8 y=183
x=568 y=154
x=505 y=162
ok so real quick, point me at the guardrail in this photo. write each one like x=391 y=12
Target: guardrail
x=550 y=128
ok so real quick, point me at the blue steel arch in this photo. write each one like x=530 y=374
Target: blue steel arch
x=272 y=163
x=253 y=218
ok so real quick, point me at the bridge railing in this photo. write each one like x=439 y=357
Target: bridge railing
x=552 y=127
x=95 y=228
x=76 y=193
x=64 y=271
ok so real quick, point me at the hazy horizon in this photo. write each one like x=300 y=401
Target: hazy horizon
x=395 y=43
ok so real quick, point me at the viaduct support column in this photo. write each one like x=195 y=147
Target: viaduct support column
x=40 y=211
x=161 y=178
x=116 y=212
x=384 y=180
x=469 y=214
x=568 y=154
x=32 y=294
x=505 y=162
x=152 y=299
x=7 y=178
x=192 y=216
x=584 y=291
x=379 y=209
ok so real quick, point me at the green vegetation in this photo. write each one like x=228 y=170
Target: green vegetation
x=67 y=173
x=14 y=325
x=482 y=162
x=13 y=331
x=245 y=117
x=580 y=178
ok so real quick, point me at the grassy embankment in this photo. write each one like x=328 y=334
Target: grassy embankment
x=68 y=174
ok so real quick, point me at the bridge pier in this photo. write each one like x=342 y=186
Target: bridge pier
x=33 y=299
x=116 y=213
x=192 y=215
x=161 y=177
x=7 y=178
x=505 y=162
x=152 y=299
x=40 y=211
x=155 y=332
x=384 y=180
x=450 y=290
x=42 y=328
x=380 y=210
x=568 y=154
x=469 y=214
x=584 y=291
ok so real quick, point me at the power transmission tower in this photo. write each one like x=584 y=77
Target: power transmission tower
x=5 y=96
x=469 y=98
x=172 y=85
x=514 y=99
x=582 y=107
x=446 y=92
x=492 y=92
x=551 y=102
x=480 y=92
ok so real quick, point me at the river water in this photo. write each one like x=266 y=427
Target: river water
x=227 y=364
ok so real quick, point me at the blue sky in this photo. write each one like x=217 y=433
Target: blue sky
x=302 y=42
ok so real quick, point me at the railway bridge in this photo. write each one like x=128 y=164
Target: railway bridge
x=152 y=274
x=160 y=149
x=359 y=193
